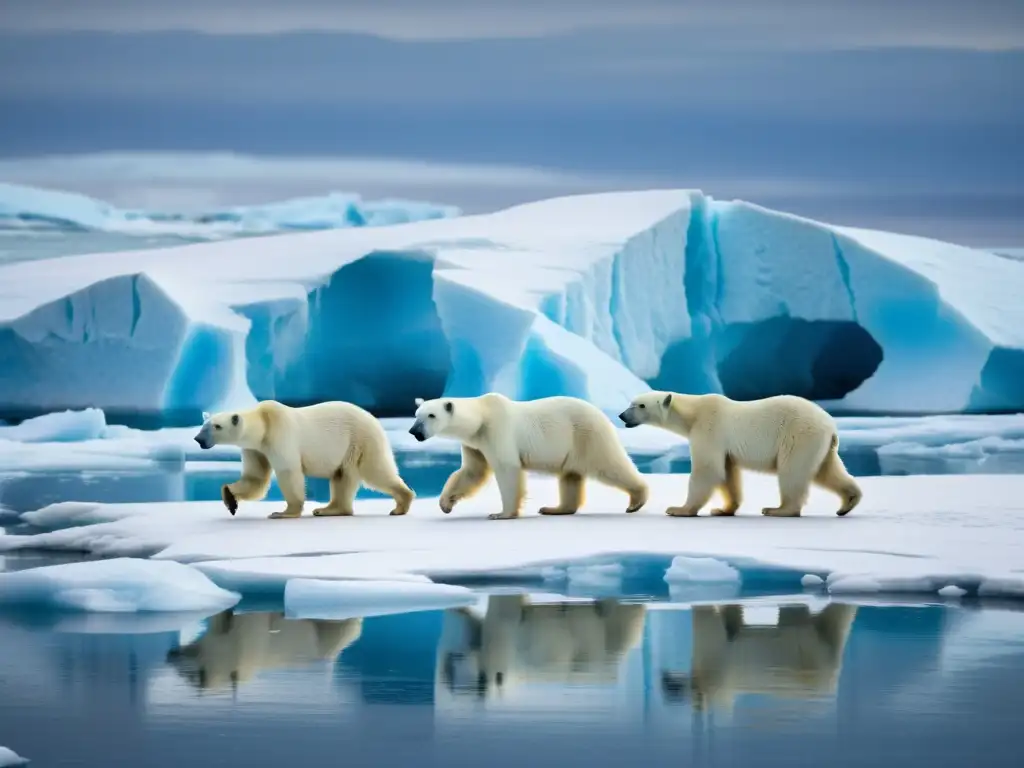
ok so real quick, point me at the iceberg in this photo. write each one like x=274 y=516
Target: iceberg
x=597 y=296
x=9 y=758
x=62 y=427
x=24 y=208
x=121 y=585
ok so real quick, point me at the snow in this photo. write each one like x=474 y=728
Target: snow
x=118 y=585
x=598 y=296
x=811 y=580
x=10 y=758
x=318 y=599
x=952 y=591
x=910 y=535
x=24 y=207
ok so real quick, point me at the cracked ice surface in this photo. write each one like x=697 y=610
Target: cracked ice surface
x=597 y=296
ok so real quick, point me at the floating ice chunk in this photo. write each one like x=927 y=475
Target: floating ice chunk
x=705 y=570
x=10 y=758
x=916 y=581
x=63 y=427
x=319 y=599
x=119 y=585
x=951 y=590
x=253 y=575
x=812 y=580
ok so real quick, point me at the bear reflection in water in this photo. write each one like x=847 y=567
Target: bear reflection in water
x=517 y=641
x=800 y=657
x=238 y=646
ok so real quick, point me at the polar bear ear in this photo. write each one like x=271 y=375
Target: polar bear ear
x=206 y=416
x=419 y=401
x=667 y=401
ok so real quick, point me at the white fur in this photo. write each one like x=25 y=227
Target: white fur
x=786 y=435
x=238 y=646
x=562 y=436
x=800 y=657
x=520 y=642
x=334 y=440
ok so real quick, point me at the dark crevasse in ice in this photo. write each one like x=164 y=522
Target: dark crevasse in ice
x=371 y=336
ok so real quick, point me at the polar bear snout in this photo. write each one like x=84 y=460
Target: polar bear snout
x=203 y=437
x=628 y=417
x=418 y=431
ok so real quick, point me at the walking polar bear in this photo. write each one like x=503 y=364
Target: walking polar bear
x=785 y=435
x=562 y=436
x=334 y=440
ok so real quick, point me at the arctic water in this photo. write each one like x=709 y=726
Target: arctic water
x=609 y=682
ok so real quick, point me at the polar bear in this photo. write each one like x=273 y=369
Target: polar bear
x=518 y=641
x=801 y=656
x=785 y=435
x=336 y=440
x=238 y=646
x=562 y=436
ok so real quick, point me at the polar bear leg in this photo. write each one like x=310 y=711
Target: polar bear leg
x=385 y=478
x=798 y=463
x=705 y=476
x=731 y=490
x=570 y=495
x=623 y=474
x=512 y=487
x=466 y=480
x=255 y=479
x=794 y=487
x=293 y=487
x=834 y=477
x=344 y=486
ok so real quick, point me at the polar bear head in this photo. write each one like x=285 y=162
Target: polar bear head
x=649 y=408
x=220 y=429
x=457 y=418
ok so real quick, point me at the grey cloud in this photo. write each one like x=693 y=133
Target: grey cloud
x=975 y=24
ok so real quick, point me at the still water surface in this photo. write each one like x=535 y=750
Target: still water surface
x=520 y=680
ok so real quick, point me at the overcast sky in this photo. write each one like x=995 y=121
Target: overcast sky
x=855 y=109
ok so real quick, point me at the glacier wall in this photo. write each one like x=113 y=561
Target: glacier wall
x=597 y=296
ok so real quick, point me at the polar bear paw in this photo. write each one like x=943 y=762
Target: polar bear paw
x=228 y=497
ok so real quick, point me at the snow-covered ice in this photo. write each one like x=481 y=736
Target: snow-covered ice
x=952 y=591
x=811 y=580
x=256 y=575
x=10 y=758
x=597 y=296
x=114 y=586
x=24 y=207
x=319 y=599
x=910 y=534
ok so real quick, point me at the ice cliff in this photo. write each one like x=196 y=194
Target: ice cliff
x=598 y=296
x=24 y=207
